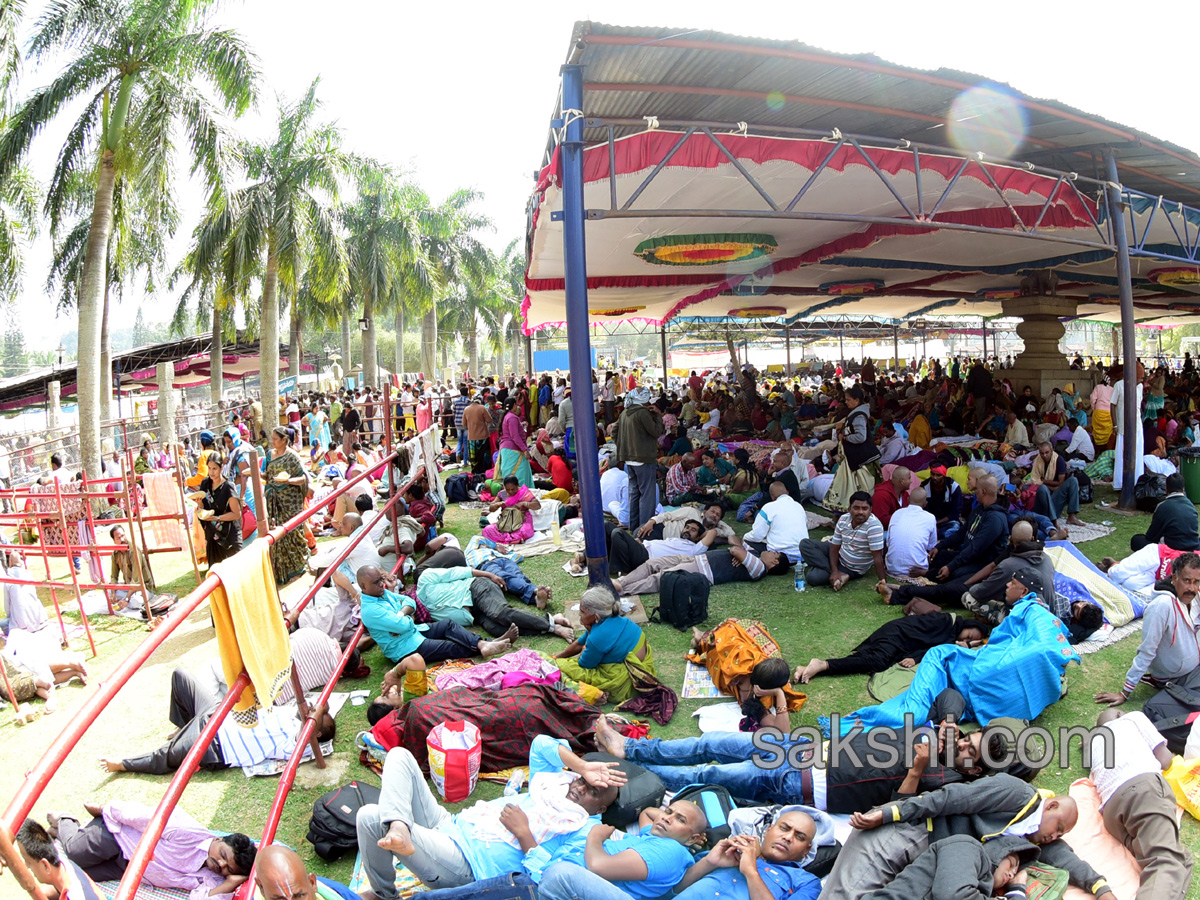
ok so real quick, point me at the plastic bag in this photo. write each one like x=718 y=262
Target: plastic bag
x=1184 y=779
x=455 y=753
x=846 y=482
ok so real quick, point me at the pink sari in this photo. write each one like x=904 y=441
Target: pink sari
x=522 y=534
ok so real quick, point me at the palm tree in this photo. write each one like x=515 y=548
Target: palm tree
x=145 y=71
x=136 y=244
x=386 y=227
x=284 y=220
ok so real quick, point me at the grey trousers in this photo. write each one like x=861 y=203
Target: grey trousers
x=494 y=614
x=92 y=848
x=816 y=556
x=643 y=493
x=645 y=578
x=405 y=797
x=870 y=860
x=1141 y=815
x=193 y=702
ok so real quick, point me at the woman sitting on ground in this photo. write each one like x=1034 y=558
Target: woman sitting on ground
x=610 y=643
x=516 y=505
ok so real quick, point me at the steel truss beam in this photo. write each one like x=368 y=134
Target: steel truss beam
x=1183 y=220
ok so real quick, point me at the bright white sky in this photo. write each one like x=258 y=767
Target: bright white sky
x=460 y=93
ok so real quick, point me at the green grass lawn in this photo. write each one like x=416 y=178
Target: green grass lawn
x=815 y=623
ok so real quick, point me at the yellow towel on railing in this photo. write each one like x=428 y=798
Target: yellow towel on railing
x=251 y=634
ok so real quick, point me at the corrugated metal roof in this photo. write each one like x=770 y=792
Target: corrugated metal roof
x=707 y=75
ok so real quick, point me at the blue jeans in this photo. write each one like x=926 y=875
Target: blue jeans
x=569 y=443
x=567 y=881
x=475 y=888
x=948 y=530
x=462 y=445
x=691 y=761
x=515 y=581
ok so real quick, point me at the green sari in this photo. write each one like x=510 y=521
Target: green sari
x=612 y=678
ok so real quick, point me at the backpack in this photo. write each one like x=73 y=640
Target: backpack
x=1086 y=494
x=458 y=488
x=1174 y=708
x=716 y=803
x=1149 y=491
x=333 y=828
x=682 y=599
x=642 y=790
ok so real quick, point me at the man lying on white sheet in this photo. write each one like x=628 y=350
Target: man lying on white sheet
x=1139 y=570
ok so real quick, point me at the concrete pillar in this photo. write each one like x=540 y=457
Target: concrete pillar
x=166 y=403
x=1041 y=365
x=54 y=408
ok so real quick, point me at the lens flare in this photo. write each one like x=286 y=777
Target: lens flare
x=986 y=118
x=775 y=101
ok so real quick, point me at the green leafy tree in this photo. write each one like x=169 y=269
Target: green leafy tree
x=146 y=73
x=285 y=220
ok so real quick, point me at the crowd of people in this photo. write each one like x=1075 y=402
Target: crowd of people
x=946 y=485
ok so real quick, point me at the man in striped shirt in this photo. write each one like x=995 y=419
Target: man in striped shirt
x=193 y=700
x=857 y=543
x=461 y=402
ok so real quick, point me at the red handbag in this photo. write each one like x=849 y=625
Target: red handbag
x=249 y=523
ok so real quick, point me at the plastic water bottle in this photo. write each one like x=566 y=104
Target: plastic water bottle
x=801 y=580
x=515 y=782
x=556 y=532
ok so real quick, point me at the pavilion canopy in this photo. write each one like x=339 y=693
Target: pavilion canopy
x=784 y=211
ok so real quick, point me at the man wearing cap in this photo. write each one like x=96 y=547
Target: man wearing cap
x=638 y=431
x=945 y=501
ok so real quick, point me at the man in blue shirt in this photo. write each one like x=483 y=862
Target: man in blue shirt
x=388 y=617
x=642 y=866
x=745 y=867
x=489 y=839
x=461 y=402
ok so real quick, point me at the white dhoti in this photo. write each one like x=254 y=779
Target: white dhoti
x=1139 y=464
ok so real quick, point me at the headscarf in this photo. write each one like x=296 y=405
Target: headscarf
x=639 y=396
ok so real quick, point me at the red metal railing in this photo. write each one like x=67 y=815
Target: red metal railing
x=38 y=778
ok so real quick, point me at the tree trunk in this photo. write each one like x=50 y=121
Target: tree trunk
x=346 y=361
x=370 y=363
x=217 y=373
x=294 y=350
x=445 y=358
x=91 y=301
x=516 y=349
x=400 y=340
x=428 y=341
x=268 y=340
x=473 y=345
x=106 y=366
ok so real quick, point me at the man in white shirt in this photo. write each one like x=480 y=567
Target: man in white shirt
x=670 y=523
x=1017 y=434
x=614 y=489
x=1138 y=805
x=627 y=552
x=1081 y=446
x=911 y=536
x=780 y=525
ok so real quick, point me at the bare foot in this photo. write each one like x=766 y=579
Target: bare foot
x=112 y=766
x=1076 y=521
x=560 y=620
x=543 y=594
x=814 y=668
x=1107 y=563
x=398 y=839
x=616 y=583
x=52 y=820
x=566 y=632
x=608 y=740
x=93 y=809
x=884 y=590
x=511 y=635
x=494 y=648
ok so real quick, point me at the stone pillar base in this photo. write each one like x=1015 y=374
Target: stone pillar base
x=1040 y=365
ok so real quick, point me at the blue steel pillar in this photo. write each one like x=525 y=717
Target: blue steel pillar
x=1130 y=413
x=579 y=346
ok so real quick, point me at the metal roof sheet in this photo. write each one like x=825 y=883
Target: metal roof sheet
x=721 y=77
